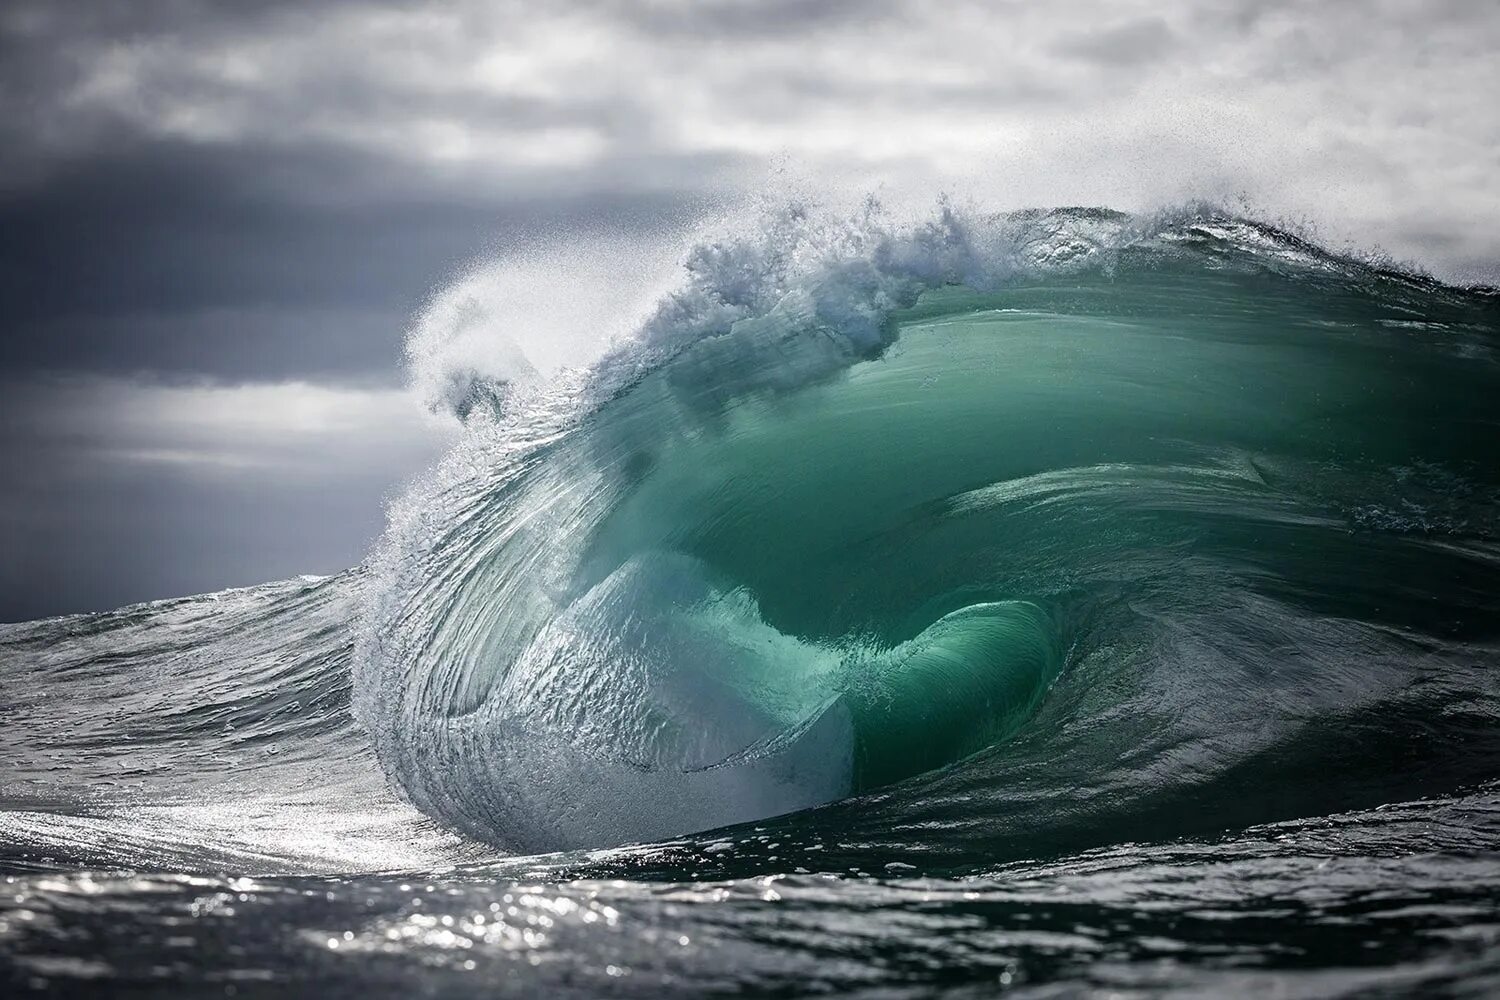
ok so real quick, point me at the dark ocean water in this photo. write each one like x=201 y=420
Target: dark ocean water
x=1054 y=604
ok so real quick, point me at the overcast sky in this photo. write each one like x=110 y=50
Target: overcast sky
x=219 y=219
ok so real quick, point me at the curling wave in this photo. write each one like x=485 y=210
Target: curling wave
x=1004 y=511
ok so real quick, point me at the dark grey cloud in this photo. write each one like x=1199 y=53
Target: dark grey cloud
x=736 y=20
x=193 y=260
x=1126 y=44
x=46 y=49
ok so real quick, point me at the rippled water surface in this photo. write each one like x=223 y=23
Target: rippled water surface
x=1051 y=604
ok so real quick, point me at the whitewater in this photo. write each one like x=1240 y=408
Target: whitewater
x=1053 y=602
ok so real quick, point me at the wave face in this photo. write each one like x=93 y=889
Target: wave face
x=1061 y=599
x=1178 y=510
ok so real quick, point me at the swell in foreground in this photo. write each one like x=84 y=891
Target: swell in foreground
x=1055 y=597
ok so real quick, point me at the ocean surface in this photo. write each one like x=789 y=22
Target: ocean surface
x=1047 y=604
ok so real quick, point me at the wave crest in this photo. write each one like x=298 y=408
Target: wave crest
x=739 y=567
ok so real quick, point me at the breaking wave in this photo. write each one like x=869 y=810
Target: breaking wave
x=1079 y=513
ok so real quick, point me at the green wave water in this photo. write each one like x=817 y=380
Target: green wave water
x=858 y=507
